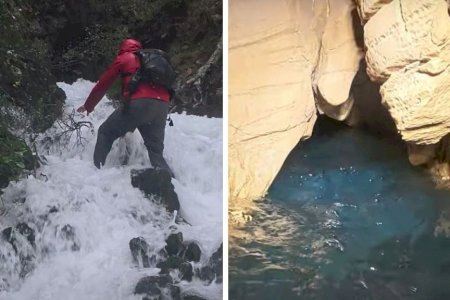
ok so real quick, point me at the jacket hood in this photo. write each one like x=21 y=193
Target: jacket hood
x=130 y=45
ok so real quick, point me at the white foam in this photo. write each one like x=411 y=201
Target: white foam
x=106 y=211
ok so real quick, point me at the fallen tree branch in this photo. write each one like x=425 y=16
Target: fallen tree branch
x=70 y=126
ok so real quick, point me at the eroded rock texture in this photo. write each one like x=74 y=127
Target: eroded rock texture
x=367 y=8
x=279 y=59
x=294 y=59
x=271 y=103
x=408 y=52
x=339 y=59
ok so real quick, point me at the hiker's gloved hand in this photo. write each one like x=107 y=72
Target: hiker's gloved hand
x=82 y=109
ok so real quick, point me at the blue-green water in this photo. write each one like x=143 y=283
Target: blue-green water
x=346 y=218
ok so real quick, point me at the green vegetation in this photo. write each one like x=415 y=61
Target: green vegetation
x=15 y=157
x=42 y=42
x=25 y=76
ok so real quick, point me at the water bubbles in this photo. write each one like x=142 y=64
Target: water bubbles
x=363 y=284
x=332 y=213
x=330 y=223
x=335 y=243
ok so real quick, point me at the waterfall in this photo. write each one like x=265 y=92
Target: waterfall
x=81 y=218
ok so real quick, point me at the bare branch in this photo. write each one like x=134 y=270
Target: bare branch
x=70 y=126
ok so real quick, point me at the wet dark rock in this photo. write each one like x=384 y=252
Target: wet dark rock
x=213 y=270
x=192 y=252
x=68 y=234
x=186 y=271
x=152 y=285
x=139 y=250
x=163 y=254
x=23 y=229
x=206 y=273
x=201 y=92
x=150 y=289
x=171 y=292
x=157 y=183
x=53 y=209
x=172 y=262
x=175 y=292
x=26 y=231
x=174 y=244
x=193 y=297
x=21 y=237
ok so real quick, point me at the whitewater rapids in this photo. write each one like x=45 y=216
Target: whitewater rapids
x=105 y=211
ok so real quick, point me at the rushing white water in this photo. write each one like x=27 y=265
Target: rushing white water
x=105 y=211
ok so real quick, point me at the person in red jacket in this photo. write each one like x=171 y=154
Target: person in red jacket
x=147 y=108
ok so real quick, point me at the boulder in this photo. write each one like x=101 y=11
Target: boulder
x=171 y=263
x=67 y=233
x=157 y=183
x=139 y=250
x=213 y=270
x=408 y=53
x=192 y=252
x=174 y=244
x=11 y=234
x=405 y=32
x=152 y=285
x=22 y=240
x=174 y=292
x=186 y=271
x=418 y=99
x=158 y=287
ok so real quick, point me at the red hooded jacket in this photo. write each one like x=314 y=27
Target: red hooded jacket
x=125 y=64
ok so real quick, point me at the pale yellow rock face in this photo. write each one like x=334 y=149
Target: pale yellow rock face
x=418 y=99
x=271 y=104
x=368 y=8
x=279 y=52
x=408 y=48
x=339 y=60
x=405 y=32
x=290 y=59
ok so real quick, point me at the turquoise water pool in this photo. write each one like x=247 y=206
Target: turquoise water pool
x=347 y=218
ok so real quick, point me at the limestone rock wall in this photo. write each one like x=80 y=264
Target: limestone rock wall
x=281 y=54
x=271 y=104
x=339 y=58
x=368 y=8
x=408 y=52
x=380 y=63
